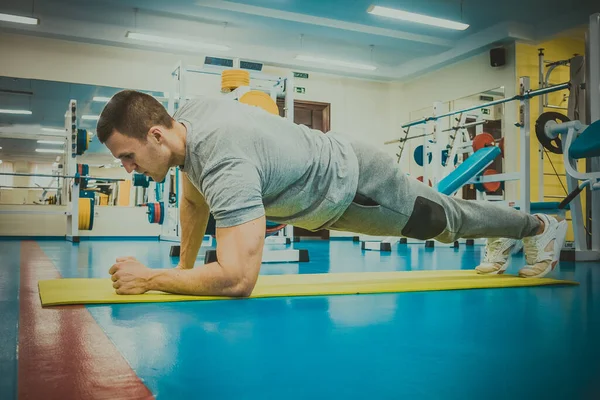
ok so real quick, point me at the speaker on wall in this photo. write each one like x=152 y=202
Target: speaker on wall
x=498 y=56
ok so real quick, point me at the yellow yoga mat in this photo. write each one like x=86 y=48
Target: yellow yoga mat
x=100 y=291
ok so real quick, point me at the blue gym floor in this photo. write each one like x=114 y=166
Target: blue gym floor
x=518 y=343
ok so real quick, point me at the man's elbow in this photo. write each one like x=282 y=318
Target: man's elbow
x=243 y=287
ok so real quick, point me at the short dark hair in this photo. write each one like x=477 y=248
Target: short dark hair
x=131 y=113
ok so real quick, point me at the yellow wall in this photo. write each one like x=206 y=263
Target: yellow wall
x=527 y=65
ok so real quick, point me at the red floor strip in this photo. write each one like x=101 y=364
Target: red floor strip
x=63 y=353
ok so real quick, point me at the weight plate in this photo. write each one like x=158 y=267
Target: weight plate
x=483 y=140
x=552 y=145
x=489 y=187
x=418 y=155
x=151 y=213
x=161 y=209
x=260 y=100
x=273 y=227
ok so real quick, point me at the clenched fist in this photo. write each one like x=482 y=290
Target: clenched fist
x=130 y=276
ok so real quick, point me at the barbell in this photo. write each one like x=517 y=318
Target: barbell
x=156 y=212
x=63 y=176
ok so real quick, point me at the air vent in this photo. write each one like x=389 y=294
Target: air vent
x=220 y=62
x=253 y=66
x=228 y=63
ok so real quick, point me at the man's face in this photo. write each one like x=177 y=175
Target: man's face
x=143 y=156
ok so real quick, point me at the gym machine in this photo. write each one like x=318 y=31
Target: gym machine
x=252 y=88
x=584 y=104
x=577 y=138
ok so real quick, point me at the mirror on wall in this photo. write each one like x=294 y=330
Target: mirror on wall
x=33 y=139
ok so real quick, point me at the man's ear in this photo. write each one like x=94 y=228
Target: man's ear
x=156 y=133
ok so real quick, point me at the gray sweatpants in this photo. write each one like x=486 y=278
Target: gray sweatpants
x=390 y=203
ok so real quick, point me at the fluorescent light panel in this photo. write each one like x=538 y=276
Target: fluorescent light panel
x=336 y=63
x=90 y=117
x=18 y=19
x=50 y=142
x=101 y=99
x=17 y=112
x=418 y=18
x=54 y=151
x=177 y=42
x=53 y=130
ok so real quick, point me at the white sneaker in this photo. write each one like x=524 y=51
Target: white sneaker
x=496 y=258
x=542 y=251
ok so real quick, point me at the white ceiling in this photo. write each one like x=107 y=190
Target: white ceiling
x=275 y=31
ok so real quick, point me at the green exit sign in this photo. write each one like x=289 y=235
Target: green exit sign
x=302 y=75
x=485 y=111
x=300 y=90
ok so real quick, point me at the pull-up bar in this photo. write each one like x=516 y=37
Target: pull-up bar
x=527 y=95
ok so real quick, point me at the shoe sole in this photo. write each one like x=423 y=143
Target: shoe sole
x=498 y=272
x=514 y=249
x=559 y=241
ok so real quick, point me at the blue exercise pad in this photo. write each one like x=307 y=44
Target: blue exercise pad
x=472 y=166
x=587 y=144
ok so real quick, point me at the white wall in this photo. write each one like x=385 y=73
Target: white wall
x=122 y=221
x=32 y=224
x=359 y=107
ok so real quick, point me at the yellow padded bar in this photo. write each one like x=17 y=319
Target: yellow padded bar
x=100 y=291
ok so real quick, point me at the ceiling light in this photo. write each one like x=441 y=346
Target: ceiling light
x=90 y=117
x=336 y=63
x=0 y=147
x=54 y=151
x=0 y=161
x=177 y=42
x=50 y=142
x=117 y=160
x=53 y=130
x=101 y=99
x=18 y=19
x=418 y=18
x=19 y=112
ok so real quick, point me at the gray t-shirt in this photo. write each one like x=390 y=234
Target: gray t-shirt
x=248 y=163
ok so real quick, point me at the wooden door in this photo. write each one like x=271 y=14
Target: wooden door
x=314 y=115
